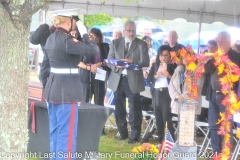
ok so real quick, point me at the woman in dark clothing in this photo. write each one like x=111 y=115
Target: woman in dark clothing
x=89 y=64
x=76 y=34
x=159 y=77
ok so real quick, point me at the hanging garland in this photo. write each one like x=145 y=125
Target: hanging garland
x=230 y=101
x=195 y=69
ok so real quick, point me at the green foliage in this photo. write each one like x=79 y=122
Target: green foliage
x=97 y=19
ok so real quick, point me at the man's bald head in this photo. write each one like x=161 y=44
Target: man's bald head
x=224 y=41
x=117 y=34
x=147 y=32
x=172 y=38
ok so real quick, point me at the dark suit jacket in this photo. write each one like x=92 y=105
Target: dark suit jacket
x=210 y=69
x=40 y=37
x=138 y=52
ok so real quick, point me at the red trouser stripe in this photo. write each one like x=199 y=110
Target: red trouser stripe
x=70 y=138
x=32 y=109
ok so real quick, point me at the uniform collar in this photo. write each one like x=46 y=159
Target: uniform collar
x=60 y=29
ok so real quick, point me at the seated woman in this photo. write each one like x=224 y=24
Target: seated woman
x=159 y=78
x=178 y=87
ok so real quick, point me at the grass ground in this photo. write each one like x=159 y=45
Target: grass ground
x=119 y=149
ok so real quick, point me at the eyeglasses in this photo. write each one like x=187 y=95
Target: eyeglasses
x=164 y=55
x=130 y=31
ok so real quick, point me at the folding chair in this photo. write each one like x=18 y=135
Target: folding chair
x=146 y=92
x=206 y=141
x=175 y=126
x=203 y=127
x=109 y=123
x=236 y=118
x=150 y=124
x=237 y=147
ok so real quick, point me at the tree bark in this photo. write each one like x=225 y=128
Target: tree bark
x=14 y=75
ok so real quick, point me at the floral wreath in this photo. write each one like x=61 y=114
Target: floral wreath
x=230 y=101
x=194 y=68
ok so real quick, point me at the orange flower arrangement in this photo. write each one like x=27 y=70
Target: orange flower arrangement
x=146 y=151
x=195 y=68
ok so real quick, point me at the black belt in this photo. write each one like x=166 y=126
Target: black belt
x=161 y=89
x=217 y=92
x=123 y=75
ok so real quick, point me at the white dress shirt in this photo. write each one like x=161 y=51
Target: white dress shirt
x=161 y=81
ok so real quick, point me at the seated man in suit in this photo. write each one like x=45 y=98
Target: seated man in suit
x=128 y=82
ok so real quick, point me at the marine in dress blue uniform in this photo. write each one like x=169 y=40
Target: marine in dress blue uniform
x=62 y=90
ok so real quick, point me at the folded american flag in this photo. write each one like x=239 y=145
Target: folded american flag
x=121 y=63
x=166 y=146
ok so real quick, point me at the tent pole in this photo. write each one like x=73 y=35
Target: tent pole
x=199 y=31
x=200 y=26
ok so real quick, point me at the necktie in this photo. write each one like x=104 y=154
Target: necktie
x=126 y=48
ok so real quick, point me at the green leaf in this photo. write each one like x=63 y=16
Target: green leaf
x=97 y=19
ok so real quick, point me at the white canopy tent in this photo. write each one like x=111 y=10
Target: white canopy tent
x=202 y=11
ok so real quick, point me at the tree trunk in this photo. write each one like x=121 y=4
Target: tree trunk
x=14 y=75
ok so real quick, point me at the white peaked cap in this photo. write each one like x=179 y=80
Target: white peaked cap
x=66 y=12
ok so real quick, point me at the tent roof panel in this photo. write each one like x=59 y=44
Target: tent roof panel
x=226 y=11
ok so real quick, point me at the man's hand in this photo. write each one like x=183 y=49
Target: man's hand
x=127 y=60
x=120 y=67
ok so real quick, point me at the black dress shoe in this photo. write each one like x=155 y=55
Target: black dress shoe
x=103 y=133
x=144 y=140
x=131 y=141
x=121 y=138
